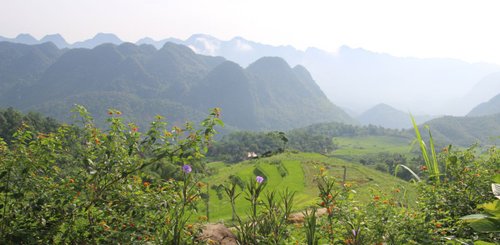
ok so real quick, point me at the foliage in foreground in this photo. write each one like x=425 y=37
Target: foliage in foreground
x=456 y=184
x=389 y=217
x=10 y=120
x=93 y=186
x=122 y=186
x=452 y=184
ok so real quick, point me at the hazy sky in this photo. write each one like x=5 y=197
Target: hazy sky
x=467 y=30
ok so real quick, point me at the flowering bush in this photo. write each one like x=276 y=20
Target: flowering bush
x=464 y=185
x=267 y=221
x=87 y=185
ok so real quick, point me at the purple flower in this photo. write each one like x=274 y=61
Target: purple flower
x=259 y=179
x=187 y=169
x=355 y=232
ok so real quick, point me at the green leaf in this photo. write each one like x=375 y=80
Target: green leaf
x=407 y=168
x=453 y=160
x=492 y=207
x=483 y=243
x=435 y=165
x=486 y=225
x=473 y=217
x=219 y=122
x=496 y=178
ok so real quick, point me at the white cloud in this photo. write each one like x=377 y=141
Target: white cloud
x=243 y=46
x=205 y=46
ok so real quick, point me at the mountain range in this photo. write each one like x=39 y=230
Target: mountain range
x=179 y=82
x=358 y=79
x=353 y=78
x=61 y=43
x=143 y=81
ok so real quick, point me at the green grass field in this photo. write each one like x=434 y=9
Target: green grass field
x=302 y=169
x=363 y=145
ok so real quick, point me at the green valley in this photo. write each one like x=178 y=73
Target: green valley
x=301 y=170
x=366 y=145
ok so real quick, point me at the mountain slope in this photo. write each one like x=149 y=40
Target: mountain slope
x=484 y=90
x=350 y=77
x=98 y=39
x=286 y=91
x=139 y=80
x=389 y=117
x=227 y=86
x=267 y=93
x=465 y=131
x=487 y=108
x=56 y=39
x=21 y=65
x=358 y=78
x=22 y=38
x=143 y=82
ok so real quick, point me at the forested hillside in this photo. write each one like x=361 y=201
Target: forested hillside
x=465 y=131
x=313 y=138
x=142 y=82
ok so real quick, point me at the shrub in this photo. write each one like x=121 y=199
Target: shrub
x=93 y=186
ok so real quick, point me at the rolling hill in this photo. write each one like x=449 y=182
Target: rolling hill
x=297 y=172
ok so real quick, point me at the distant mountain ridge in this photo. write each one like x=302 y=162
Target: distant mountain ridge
x=173 y=81
x=60 y=42
x=358 y=78
x=351 y=77
x=487 y=108
x=98 y=39
x=389 y=117
x=484 y=90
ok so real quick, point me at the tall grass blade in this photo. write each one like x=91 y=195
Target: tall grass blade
x=421 y=142
x=435 y=165
x=407 y=168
